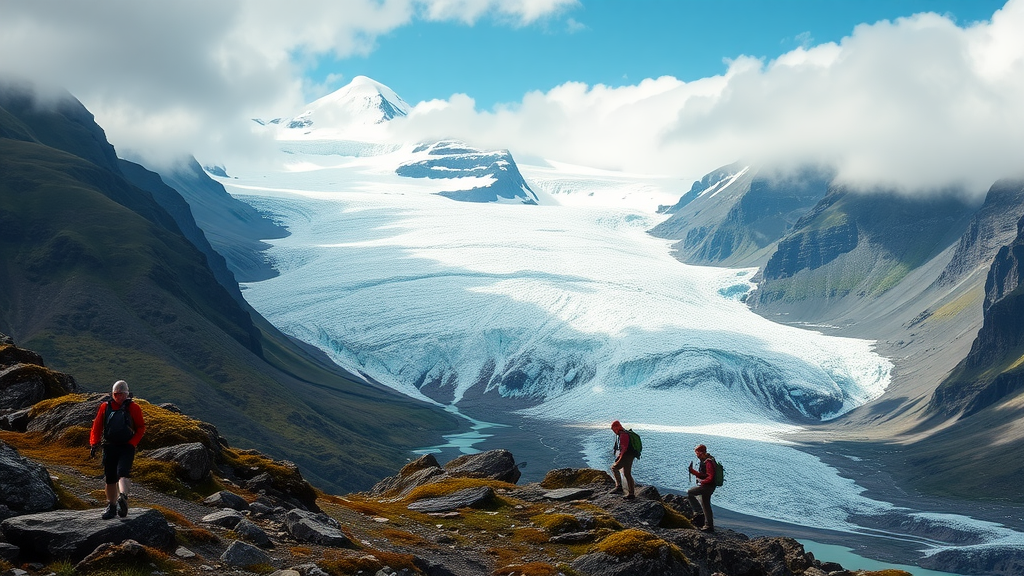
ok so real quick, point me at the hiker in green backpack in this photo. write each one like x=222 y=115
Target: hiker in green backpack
x=624 y=461
x=705 y=487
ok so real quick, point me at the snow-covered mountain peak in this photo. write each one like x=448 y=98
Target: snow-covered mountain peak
x=362 y=103
x=363 y=100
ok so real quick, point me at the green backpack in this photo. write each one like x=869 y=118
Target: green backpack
x=719 y=473
x=635 y=444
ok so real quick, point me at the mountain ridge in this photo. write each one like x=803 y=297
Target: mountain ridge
x=98 y=275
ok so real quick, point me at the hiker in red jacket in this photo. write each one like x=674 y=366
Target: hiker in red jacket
x=623 y=461
x=705 y=487
x=119 y=426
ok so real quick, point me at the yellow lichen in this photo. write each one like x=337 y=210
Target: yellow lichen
x=632 y=542
x=573 y=478
x=557 y=523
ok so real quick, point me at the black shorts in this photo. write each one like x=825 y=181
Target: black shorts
x=117 y=461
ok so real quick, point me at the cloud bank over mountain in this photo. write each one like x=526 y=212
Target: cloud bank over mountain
x=173 y=78
x=919 y=103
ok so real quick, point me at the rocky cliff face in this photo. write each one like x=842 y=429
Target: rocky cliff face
x=994 y=226
x=735 y=215
x=859 y=245
x=234 y=229
x=991 y=372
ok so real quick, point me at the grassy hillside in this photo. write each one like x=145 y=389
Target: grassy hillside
x=98 y=278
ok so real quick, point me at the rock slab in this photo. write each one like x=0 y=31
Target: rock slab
x=74 y=534
x=466 y=498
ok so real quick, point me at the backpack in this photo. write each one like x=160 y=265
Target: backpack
x=635 y=444
x=118 y=427
x=719 y=473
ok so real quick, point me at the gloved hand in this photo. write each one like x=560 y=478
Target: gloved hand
x=92 y=451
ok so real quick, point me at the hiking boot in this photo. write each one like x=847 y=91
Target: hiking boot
x=617 y=490
x=110 y=512
x=122 y=505
x=629 y=497
x=707 y=528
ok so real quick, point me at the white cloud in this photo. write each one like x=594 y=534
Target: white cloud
x=166 y=78
x=918 y=103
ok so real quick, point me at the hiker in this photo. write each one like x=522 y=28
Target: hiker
x=119 y=426
x=705 y=487
x=623 y=461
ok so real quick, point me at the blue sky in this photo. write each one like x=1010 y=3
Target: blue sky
x=612 y=43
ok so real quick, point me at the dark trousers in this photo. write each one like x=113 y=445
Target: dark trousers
x=117 y=461
x=705 y=493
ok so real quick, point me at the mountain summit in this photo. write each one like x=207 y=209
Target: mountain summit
x=363 y=102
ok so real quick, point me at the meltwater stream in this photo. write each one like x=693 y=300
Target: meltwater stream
x=578 y=310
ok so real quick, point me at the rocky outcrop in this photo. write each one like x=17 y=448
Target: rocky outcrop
x=193 y=458
x=73 y=534
x=226 y=499
x=468 y=498
x=452 y=160
x=24 y=380
x=736 y=214
x=245 y=555
x=990 y=372
x=25 y=486
x=991 y=228
x=315 y=528
x=857 y=245
x=493 y=464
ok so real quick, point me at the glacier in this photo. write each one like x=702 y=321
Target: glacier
x=531 y=288
x=568 y=311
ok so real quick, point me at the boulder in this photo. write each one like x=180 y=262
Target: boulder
x=242 y=555
x=25 y=486
x=664 y=563
x=636 y=512
x=9 y=552
x=732 y=553
x=107 y=555
x=466 y=498
x=493 y=464
x=423 y=470
x=5 y=339
x=563 y=494
x=252 y=533
x=11 y=354
x=314 y=528
x=226 y=499
x=15 y=421
x=573 y=538
x=22 y=385
x=226 y=518
x=194 y=458
x=73 y=534
x=54 y=422
x=309 y=570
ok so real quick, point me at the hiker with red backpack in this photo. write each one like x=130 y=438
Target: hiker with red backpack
x=706 y=481
x=119 y=426
x=625 y=455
